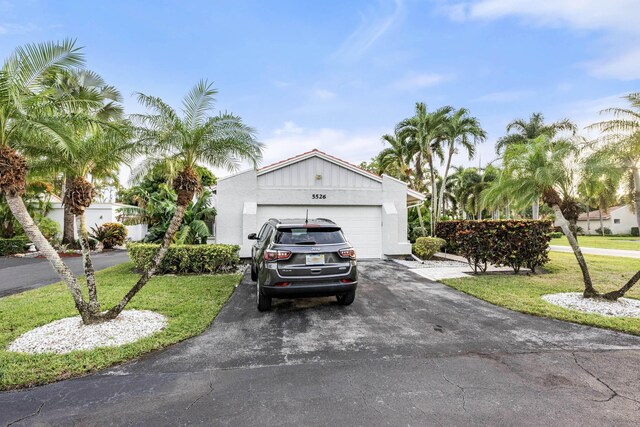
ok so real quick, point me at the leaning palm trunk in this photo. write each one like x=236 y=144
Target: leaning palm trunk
x=601 y=224
x=174 y=225
x=443 y=185
x=94 y=305
x=636 y=193
x=19 y=210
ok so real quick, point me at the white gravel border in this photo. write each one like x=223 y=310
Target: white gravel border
x=70 y=334
x=624 y=307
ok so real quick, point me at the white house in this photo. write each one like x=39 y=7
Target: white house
x=371 y=209
x=97 y=214
x=619 y=219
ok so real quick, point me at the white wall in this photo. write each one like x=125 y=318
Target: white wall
x=627 y=220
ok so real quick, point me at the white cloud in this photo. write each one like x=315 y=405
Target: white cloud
x=617 y=20
x=420 y=80
x=9 y=28
x=373 y=26
x=289 y=128
x=505 y=96
x=323 y=94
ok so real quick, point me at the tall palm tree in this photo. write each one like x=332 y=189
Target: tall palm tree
x=29 y=113
x=395 y=159
x=537 y=167
x=521 y=131
x=620 y=151
x=426 y=133
x=461 y=132
x=179 y=143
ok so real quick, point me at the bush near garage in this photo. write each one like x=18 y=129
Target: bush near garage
x=512 y=243
x=185 y=259
x=556 y=234
x=635 y=232
x=14 y=245
x=110 y=234
x=607 y=231
x=426 y=247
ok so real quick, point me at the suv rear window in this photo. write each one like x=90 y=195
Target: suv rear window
x=309 y=236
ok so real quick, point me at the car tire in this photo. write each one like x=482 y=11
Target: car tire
x=254 y=273
x=346 y=299
x=264 y=301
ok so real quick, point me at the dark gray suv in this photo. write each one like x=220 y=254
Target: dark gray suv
x=302 y=258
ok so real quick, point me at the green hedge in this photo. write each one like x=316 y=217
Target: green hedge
x=14 y=245
x=513 y=243
x=181 y=259
x=426 y=247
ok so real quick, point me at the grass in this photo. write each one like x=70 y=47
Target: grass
x=190 y=303
x=522 y=293
x=606 y=242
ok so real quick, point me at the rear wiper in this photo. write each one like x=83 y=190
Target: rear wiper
x=306 y=243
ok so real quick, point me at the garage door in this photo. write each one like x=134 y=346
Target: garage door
x=362 y=225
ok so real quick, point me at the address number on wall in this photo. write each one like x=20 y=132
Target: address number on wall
x=318 y=196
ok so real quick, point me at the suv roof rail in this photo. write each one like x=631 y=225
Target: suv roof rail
x=325 y=220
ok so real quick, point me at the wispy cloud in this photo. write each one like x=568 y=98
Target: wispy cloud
x=374 y=24
x=505 y=96
x=11 y=28
x=616 y=20
x=323 y=94
x=420 y=80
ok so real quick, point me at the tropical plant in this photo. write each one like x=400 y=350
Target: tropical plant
x=28 y=112
x=395 y=159
x=110 y=234
x=537 y=167
x=177 y=143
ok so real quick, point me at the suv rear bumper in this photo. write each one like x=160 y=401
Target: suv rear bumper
x=309 y=289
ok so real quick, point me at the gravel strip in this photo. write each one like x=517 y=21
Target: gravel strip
x=624 y=307
x=70 y=334
x=431 y=263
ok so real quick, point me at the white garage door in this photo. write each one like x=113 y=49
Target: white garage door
x=362 y=225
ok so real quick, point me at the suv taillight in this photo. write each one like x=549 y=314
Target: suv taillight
x=272 y=255
x=347 y=253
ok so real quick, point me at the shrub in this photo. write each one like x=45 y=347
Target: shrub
x=182 y=259
x=110 y=234
x=426 y=247
x=607 y=231
x=635 y=231
x=14 y=245
x=556 y=234
x=416 y=232
x=50 y=229
x=512 y=243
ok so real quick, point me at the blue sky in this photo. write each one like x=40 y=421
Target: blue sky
x=336 y=75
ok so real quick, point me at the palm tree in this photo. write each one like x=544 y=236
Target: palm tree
x=394 y=160
x=29 y=113
x=599 y=190
x=521 y=131
x=537 y=167
x=621 y=150
x=461 y=131
x=179 y=143
x=426 y=132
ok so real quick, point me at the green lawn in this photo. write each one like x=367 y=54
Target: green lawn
x=522 y=293
x=189 y=302
x=606 y=242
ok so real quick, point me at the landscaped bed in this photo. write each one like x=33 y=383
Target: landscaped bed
x=606 y=242
x=524 y=292
x=189 y=303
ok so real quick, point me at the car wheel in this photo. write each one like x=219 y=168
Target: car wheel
x=263 y=301
x=254 y=273
x=346 y=299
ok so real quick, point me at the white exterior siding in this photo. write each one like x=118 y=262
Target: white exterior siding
x=371 y=209
x=627 y=220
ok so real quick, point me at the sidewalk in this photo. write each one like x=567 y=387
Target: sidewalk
x=598 y=251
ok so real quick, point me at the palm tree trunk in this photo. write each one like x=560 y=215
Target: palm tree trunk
x=589 y=291
x=174 y=225
x=535 y=208
x=588 y=222
x=434 y=192
x=19 y=210
x=636 y=192
x=68 y=236
x=507 y=210
x=601 y=225
x=440 y=207
x=90 y=274
x=614 y=295
x=424 y=231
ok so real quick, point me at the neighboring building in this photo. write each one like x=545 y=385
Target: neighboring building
x=371 y=209
x=619 y=219
x=97 y=214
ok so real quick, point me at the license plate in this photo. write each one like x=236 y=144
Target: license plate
x=315 y=259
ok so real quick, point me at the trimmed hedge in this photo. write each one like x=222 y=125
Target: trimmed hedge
x=513 y=243
x=635 y=231
x=182 y=259
x=426 y=247
x=14 y=245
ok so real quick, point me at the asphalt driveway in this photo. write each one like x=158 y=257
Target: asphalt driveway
x=21 y=274
x=408 y=352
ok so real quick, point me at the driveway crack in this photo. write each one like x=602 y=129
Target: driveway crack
x=33 y=414
x=614 y=393
x=201 y=396
x=462 y=392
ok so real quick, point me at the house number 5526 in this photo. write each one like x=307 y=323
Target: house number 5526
x=318 y=196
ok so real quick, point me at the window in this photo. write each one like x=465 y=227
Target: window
x=616 y=221
x=309 y=236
